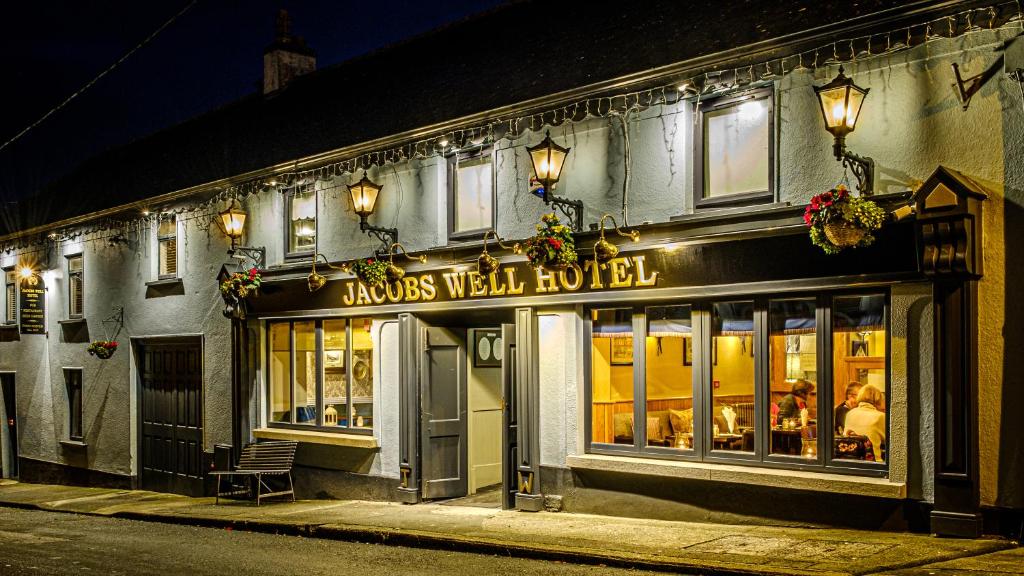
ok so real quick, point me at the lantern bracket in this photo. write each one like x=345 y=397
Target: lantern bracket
x=258 y=256
x=572 y=209
x=386 y=236
x=861 y=166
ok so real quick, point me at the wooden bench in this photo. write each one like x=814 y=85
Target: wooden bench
x=256 y=461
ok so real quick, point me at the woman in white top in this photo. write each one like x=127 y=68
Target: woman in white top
x=868 y=418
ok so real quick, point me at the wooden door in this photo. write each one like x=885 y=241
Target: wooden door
x=171 y=416
x=8 y=427
x=443 y=413
x=508 y=420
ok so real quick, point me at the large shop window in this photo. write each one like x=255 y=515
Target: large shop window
x=734 y=150
x=789 y=381
x=321 y=374
x=470 y=194
x=301 y=220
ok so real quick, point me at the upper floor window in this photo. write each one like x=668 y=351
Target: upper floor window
x=76 y=287
x=167 y=242
x=794 y=381
x=470 y=193
x=735 y=150
x=300 y=224
x=10 y=296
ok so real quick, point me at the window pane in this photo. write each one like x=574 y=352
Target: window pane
x=168 y=227
x=732 y=376
x=669 y=353
x=75 y=264
x=335 y=379
x=73 y=381
x=793 y=359
x=736 y=149
x=302 y=222
x=11 y=299
x=473 y=195
x=305 y=373
x=168 y=257
x=362 y=373
x=280 y=373
x=612 y=376
x=859 y=377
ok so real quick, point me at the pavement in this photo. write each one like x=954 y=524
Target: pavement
x=684 y=547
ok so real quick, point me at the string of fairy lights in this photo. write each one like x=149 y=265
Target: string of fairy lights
x=700 y=84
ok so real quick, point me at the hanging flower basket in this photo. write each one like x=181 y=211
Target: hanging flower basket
x=838 y=220
x=554 y=247
x=242 y=285
x=370 y=271
x=102 y=349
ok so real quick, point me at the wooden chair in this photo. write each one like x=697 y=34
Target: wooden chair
x=259 y=460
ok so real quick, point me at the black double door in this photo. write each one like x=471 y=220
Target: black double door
x=9 y=426
x=171 y=416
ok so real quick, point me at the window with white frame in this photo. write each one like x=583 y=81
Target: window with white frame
x=470 y=193
x=734 y=150
x=300 y=224
x=73 y=385
x=167 y=246
x=10 y=296
x=76 y=287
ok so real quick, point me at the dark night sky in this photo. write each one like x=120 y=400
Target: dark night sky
x=210 y=56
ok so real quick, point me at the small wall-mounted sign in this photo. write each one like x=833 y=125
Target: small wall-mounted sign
x=32 y=305
x=487 y=349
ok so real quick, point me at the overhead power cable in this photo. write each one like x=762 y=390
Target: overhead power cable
x=89 y=84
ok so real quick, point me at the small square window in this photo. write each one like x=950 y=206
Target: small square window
x=167 y=241
x=301 y=220
x=470 y=194
x=73 y=384
x=735 y=150
x=76 y=287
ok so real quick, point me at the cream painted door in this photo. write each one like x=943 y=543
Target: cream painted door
x=484 y=408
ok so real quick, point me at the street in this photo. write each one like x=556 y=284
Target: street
x=35 y=542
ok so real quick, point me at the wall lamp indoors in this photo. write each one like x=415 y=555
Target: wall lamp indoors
x=364 y=201
x=548 y=159
x=232 y=223
x=841 y=101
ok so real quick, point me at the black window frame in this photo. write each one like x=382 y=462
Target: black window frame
x=318 y=424
x=74 y=389
x=10 y=304
x=160 y=239
x=720 y=103
x=701 y=312
x=466 y=155
x=80 y=274
x=289 y=197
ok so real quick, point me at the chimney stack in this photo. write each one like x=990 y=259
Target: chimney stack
x=286 y=57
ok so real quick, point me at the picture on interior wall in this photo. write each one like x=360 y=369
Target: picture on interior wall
x=487 y=349
x=687 y=352
x=859 y=347
x=362 y=373
x=622 y=351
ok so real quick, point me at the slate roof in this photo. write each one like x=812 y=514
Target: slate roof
x=519 y=51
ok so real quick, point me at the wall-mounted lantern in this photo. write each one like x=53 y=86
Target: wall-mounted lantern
x=841 y=101
x=232 y=223
x=364 y=201
x=548 y=158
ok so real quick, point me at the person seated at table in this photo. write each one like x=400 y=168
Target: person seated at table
x=849 y=404
x=868 y=418
x=795 y=401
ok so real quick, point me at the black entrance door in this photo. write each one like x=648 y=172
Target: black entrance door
x=171 y=422
x=8 y=426
x=443 y=412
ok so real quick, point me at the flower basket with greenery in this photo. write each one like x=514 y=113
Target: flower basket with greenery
x=102 y=349
x=370 y=271
x=242 y=284
x=838 y=220
x=553 y=247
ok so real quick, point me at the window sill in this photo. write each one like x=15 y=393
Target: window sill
x=311 y=437
x=777 y=478
x=72 y=322
x=76 y=444
x=164 y=282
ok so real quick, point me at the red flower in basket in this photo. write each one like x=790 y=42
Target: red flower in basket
x=102 y=349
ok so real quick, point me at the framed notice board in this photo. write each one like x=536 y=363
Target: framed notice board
x=32 y=305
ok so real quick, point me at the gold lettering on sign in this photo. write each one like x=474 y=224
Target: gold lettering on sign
x=456 y=282
x=378 y=298
x=412 y=288
x=619 y=278
x=497 y=289
x=513 y=287
x=364 y=295
x=427 y=287
x=577 y=278
x=595 y=274
x=349 y=298
x=546 y=281
x=476 y=285
x=395 y=292
x=641 y=272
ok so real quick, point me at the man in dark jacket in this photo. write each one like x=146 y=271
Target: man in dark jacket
x=795 y=401
x=839 y=422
